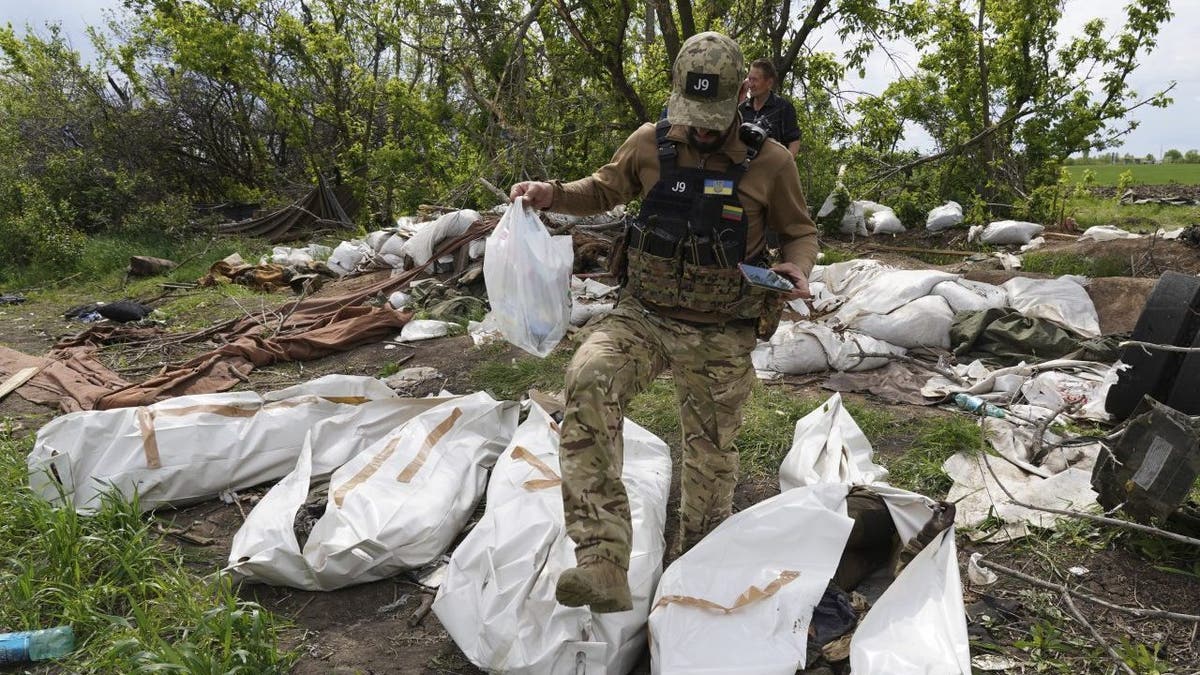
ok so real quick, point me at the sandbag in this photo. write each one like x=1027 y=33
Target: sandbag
x=944 y=217
x=528 y=276
x=885 y=222
x=497 y=599
x=1063 y=300
x=1107 y=233
x=189 y=447
x=1005 y=232
x=421 y=245
x=924 y=322
x=965 y=295
x=803 y=347
x=396 y=505
x=888 y=291
x=347 y=256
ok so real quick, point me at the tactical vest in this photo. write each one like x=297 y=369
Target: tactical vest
x=686 y=241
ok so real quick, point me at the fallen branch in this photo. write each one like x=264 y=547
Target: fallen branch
x=904 y=358
x=1039 y=431
x=495 y=190
x=1152 y=345
x=913 y=249
x=1139 y=612
x=1115 y=522
x=1074 y=611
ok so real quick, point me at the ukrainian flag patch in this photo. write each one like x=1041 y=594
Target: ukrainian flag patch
x=731 y=212
x=717 y=186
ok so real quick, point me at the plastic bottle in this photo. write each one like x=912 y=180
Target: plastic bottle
x=974 y=403
x=36 y=645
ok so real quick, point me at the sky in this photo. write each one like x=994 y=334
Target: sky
x=1174 y=59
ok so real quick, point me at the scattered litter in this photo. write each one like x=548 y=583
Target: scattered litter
x=424 y=329
x=399 y=299
x=995 y=663
x=410 y=377
x=978 y=574
x=11 y=299
x=484 y=332
x=1078 y=570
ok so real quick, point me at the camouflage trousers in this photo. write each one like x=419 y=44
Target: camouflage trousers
x=625 y=352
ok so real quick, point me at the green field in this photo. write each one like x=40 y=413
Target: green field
x=1143 y=174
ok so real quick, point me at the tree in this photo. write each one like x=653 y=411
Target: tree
x=1192 y=157
x=1006 y=103
x=1172 y=156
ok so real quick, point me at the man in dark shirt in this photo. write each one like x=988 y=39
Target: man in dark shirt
x=769 y=110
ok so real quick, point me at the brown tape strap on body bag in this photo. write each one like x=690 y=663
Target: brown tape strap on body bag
x=409 y=471
x=146 y=417
x=748 y=597
x=551 y=479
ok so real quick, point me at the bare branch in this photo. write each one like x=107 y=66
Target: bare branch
x=1151 y=345
x=1140 y=612
x=1074 y=611
x=1115 y=522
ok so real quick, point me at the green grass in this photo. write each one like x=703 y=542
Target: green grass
x=1143 y=174
x=510 y=379
x=1059 y=264
x=934 y=441
x=134 y=605
x=1141 y=218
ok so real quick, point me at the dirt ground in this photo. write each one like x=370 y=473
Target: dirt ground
x=385 y=627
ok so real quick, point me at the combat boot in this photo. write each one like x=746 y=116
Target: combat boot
x=596 y=582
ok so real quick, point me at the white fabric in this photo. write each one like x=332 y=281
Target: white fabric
x=396 y=505
x=1005 y=232
x=828 y=447
x=944 y=217
x=806 y=347
x=888 y=291
x=1063 y=300
x=847 y=278
x=527 y=273
x=203 y=444
x=497 y=601
x=964 y=295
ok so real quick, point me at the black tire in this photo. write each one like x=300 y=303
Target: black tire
x=1171 y=317
x=1185 y=394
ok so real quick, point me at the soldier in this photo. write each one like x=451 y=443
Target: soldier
x=708 y=201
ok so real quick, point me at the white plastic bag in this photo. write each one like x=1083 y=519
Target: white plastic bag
x=944 y=217
x=497 y=600
x=828 y=447
x=528 y=278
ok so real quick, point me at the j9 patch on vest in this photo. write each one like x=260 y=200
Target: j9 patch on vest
x=717 y=186
x=702 y=85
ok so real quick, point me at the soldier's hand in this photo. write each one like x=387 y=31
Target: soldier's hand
x=537 y=194
x=793 y=274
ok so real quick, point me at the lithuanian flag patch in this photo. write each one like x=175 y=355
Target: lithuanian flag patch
x=717 y=186
x=731 y=212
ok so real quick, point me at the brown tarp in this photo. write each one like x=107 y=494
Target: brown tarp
x=310 y=328
x=322 y=208
x=71 y=379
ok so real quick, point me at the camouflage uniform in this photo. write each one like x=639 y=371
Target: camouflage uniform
x=627 y=350
x=708 y=352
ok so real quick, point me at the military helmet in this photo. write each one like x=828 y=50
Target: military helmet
x=706 y=78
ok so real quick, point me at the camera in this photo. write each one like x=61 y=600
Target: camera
x=754 y=136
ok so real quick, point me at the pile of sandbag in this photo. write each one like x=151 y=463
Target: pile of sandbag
x=394 y=248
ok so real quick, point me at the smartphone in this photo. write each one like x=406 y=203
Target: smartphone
x=761 y=276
